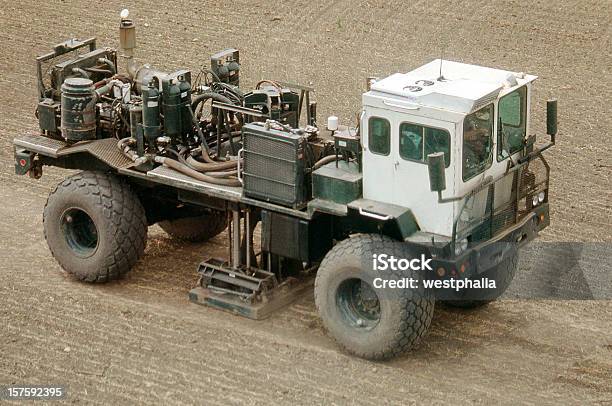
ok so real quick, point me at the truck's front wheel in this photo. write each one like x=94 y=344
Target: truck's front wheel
x=367 y=320
x=95 y=226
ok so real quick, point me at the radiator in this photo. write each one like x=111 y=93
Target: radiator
x=274 y=166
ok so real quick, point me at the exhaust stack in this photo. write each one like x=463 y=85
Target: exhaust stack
x=127 y=41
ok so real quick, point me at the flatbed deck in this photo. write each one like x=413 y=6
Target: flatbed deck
x=107 y=151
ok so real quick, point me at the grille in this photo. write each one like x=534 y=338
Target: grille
x=490 y=210
x=533 y=180
x=485 y=225
x=273 y=166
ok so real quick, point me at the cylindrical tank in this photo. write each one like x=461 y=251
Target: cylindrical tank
x=171 y=107
x=136 y=128
x=78 y=104
x=150 y=113
x=186 y=122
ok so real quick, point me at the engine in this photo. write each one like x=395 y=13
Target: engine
x=202 y=125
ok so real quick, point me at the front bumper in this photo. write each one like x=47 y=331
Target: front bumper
x=488 y=254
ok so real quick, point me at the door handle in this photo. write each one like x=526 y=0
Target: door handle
x=374 y=215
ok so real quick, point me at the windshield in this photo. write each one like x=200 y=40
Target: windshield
x=512 y=120
x=477 y=141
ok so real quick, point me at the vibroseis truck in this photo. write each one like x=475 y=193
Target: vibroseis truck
x=442 y=165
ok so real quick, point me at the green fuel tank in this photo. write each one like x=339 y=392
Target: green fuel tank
x=150 y=113
x=171 y=105
x=78 y=110
x=186 y=122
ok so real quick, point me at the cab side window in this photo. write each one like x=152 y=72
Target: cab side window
x=411 y=142
x=416 y=142
x=512 y=123
x=379 y=135
x=437 y=140
x=477 y=142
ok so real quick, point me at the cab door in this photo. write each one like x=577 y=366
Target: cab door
x=378 y=152
x=414 y=138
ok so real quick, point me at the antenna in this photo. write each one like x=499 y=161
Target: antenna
x=440 y=77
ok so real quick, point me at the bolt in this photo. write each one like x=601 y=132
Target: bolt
x=360 y=322
x=68 y=219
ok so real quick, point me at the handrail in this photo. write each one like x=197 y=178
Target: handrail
x=491 y=210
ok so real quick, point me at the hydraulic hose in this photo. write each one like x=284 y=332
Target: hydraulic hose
x=205 y=147
x=210 y=166
x=129 y=152
x=176 y=165
x=222 y=174
x=271 y=82
x=323 y=161
x=194 y=105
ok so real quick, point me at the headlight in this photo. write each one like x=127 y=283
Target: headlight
x=541 y=197
x=534 y=201
x=461 y=246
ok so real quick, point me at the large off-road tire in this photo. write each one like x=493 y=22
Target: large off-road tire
x=196 y=229
x=372 y=323
x=502 y=273
x=95 y=226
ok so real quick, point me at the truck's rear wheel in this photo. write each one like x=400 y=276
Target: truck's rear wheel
x=95 y=226
x=502 y=274
x=196 y=229
x=373 y=323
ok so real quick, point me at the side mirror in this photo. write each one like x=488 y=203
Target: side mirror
x=551 y=119
x=436 y=167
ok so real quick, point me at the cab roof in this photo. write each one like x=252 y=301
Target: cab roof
x=463 y=88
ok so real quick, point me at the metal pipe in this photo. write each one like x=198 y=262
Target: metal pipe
x=102 y=90
x=127 y=42
x=111 y=66
x=229 y=236
x=247 y=231
x=236 y=239
x=80 y=72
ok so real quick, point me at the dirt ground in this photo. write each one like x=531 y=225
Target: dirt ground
x=140 y=341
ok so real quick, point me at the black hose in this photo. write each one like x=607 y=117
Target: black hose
x=205 y=147
x=194 y=106
x=208 y=95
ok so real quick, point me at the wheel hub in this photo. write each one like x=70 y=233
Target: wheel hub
x=80 y=232
x=358 y=303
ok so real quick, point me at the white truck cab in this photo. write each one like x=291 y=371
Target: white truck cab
x=477 y=116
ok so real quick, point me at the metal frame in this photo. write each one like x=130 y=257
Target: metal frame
x=491 y=186
x=60 y=49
